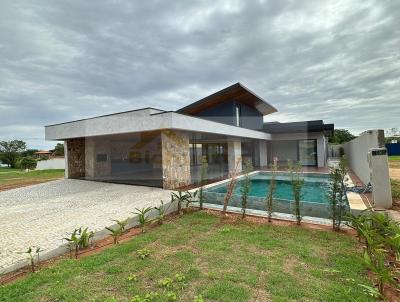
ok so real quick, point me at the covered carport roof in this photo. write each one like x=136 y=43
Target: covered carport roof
x=237 y=92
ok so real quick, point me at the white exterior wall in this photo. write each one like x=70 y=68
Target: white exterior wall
x=319 y=136
x=53 y=163
x=356 y=152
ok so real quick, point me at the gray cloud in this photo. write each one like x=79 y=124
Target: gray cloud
x=332 y=60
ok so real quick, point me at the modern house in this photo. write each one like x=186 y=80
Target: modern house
x=165 y=148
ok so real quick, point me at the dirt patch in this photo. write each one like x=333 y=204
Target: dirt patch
x=5 y=187
x=394 y=173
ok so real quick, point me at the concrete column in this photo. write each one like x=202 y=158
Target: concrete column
x=75 y=157
x=263 y=153
x=380 y=179
x=234 y=156
x=66 y=171
x=175 y=159
x=321 y=152
x=89 y=158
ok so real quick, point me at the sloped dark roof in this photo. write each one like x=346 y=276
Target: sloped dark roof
x=237 y=92
x=296 y=127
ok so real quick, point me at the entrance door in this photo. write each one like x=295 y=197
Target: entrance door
x=308 y=152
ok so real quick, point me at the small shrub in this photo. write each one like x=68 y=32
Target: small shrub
x=143 y=216
x=161 y=212
x=179 y=277
x=143 y=253
x=166 y=283
x=198 y=298
x=181 y=198
x=79 y=239
x=170 y=296
x=133 y=278
x=28 y=163
x=117 y=232
x=32 y=253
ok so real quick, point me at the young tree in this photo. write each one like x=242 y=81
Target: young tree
x=297 y=185
x=203 y=179
x=231 y=187
x=337 y=193
x=11 y=150
x=246 y=186
x=272 y=187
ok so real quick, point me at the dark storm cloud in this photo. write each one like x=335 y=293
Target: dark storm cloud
x=332 y=60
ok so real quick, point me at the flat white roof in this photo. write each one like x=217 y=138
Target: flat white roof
x=143 y=120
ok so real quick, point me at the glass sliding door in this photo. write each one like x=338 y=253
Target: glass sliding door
x=308 y=152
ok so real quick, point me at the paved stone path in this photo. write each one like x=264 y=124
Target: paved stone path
x=42 y=214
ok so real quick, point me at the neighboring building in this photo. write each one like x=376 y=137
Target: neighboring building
x=43 y=154
x=161 y=148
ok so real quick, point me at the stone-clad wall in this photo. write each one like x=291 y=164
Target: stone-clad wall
x=76 y=157
x=175 y=159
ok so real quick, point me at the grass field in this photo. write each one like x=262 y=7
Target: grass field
x=199 y=255
x=14 y=178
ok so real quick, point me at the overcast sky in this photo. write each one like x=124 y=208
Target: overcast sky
x=63 y=60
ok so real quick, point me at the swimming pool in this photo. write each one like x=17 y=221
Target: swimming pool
x=314 y=201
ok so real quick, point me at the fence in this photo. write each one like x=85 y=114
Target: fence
x=53 y=163
x=393 y=149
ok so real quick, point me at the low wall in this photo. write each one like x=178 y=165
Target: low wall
x=53 y=163
x=357 y=150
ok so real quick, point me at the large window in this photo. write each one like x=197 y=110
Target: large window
x=308 y=152
x=237 y=115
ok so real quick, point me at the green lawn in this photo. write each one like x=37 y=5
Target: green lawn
x=13 y=178
x=394 y=158
x=220 y=261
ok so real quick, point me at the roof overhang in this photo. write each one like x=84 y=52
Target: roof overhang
x=236 y=92
x=299 y=127
x=144 y=121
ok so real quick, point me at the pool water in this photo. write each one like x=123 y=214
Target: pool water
x=314 y=189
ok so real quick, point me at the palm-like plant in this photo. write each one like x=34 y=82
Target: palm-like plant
x=117 y=232
x=181 y=198
x=161 y=213
x=143 y=216
x=79 y=239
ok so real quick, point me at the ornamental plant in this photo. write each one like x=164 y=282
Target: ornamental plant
x=203 y=180
x=271 y=189
x=246 y=186
x=143 y=216
x=297 y=183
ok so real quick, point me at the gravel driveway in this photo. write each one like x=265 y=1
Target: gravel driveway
x=42 y=214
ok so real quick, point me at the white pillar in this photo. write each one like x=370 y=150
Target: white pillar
x=66 y=174
x=235 y=156
x=380 y=179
